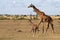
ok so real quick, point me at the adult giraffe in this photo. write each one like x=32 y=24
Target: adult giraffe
x=43 y=17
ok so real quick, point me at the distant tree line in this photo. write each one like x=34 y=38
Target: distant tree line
x=17 y=17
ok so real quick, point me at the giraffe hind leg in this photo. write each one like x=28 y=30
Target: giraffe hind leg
x=52 y=26
x=47 y=27
x=43 y=27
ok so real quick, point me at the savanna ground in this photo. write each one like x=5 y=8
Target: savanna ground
x=9 y=30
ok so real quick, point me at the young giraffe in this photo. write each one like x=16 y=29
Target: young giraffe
x=43 y=17
x=35 y=27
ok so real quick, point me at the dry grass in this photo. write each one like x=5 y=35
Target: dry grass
x=9 y=31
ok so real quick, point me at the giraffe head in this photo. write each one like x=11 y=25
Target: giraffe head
x=31 y=5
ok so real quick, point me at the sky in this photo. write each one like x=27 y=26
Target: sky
x=20 y=7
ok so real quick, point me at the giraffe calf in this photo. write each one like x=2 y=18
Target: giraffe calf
x=35 y=27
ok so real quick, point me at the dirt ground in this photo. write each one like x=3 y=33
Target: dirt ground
x=20 y=30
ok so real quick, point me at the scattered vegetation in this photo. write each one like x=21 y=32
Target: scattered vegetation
x=24 y=17
x=17 y=17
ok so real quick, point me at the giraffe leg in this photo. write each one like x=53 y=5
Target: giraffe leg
x=43 y=28
x=47 y=27
x=52 y=27
x=36 y=29
x=33 y=32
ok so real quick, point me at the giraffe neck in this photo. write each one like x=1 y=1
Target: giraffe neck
x=32 y=23
x=38 y=11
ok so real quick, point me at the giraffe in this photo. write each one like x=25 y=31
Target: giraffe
x=35 y=27
x=43 y=17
